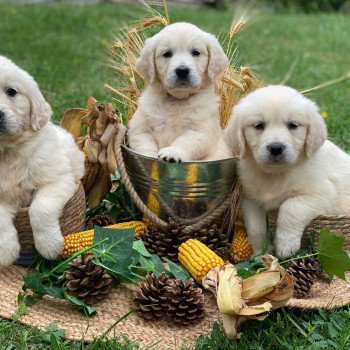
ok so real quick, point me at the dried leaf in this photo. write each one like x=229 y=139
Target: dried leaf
x=258 y=285
x=71 y=121
x=229 y=291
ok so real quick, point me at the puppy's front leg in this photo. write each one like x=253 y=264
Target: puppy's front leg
x=143 y=143
x=191 y=145
x=44 y=213
x=293 y=216
x=9 y=246
x=255 y=222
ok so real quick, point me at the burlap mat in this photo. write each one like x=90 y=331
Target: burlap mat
x=76 y=325
x=166 y=334
x=324 y=295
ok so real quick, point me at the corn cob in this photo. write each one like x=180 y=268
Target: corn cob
x=198 y=259
x=90 y=176
x=81 y=240
x=240 y=249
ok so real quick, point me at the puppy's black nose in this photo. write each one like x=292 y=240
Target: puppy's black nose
x=182 y=72
x=276 y=148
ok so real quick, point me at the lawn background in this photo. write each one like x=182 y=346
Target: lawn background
x=65 y=48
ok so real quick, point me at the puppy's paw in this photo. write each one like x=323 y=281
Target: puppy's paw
x=285 y=247
x=49 y=243
x=172 y=155
x=9 y=248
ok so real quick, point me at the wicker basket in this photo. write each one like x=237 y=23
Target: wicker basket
x=72 y=220
x=338 y=224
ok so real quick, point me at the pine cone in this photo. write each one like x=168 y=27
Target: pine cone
x=304 y=272
x=184 y=301
x=214 y=238
x=150 y=297
x=87 y=281
x=100 y=220
x=166 y=242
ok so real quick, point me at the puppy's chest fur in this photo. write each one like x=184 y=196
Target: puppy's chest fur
x=169 y=125
x=168 y=118
x=268 y=190
x=17 y=178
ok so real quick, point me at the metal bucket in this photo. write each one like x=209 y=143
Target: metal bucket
x=186 y=191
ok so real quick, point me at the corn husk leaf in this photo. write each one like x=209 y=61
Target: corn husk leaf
x=240 y=300
x=264 y=282
x=71 y=121
x=101 y=124
x=229 y=297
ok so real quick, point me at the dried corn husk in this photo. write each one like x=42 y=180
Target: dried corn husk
x=101 y=123
x=239 y=300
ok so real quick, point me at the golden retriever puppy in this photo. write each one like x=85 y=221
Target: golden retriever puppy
x=40 y=164
x=286 y=163
x=177 y=118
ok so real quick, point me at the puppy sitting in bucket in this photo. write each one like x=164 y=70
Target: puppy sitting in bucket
x=40 y=165
x=177 y=118
x=286 y=163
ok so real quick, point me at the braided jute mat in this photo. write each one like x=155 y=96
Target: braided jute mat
x=165 y=334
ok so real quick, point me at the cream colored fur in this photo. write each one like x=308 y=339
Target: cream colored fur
x=179 y=120
x=310 y=178
x=40 y=164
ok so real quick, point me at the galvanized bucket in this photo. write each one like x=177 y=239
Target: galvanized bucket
x=188 y=191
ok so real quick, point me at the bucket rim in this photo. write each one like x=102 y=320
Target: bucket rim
x=231 y=159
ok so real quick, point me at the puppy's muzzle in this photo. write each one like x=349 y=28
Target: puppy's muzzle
x=182 y=73
x=276 y=148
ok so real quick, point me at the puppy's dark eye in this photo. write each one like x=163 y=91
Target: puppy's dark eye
x=11 y=92
x=195 y=53
x=259 y=126
x=167 y=54
x=292 y=125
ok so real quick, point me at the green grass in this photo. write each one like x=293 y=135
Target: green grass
x=65 y=49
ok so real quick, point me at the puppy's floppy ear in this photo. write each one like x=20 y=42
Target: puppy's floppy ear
x=317 y=131
x=233 y=134
x=145 y=63
x=218 y=60
x=40 y=110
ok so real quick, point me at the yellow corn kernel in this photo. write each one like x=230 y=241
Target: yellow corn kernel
x=91 y=172
x=82 y=240
x=240 y=249
x=198 y=259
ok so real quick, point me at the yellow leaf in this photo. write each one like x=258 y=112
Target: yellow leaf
x=258 y=285
x=256 y=309
x=229 y=291
x=283 y=291
x=71 y=121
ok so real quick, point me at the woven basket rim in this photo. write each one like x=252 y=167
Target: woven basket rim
x=77 y=185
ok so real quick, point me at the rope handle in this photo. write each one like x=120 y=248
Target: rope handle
x=233 y=199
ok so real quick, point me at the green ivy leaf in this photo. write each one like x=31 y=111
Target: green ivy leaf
x=140 y=248
x=178 y=271
x=87 y=310
x=21 y=308
x=333 y=259
x=34 y=282
x=116 y=254
x=153 y=264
